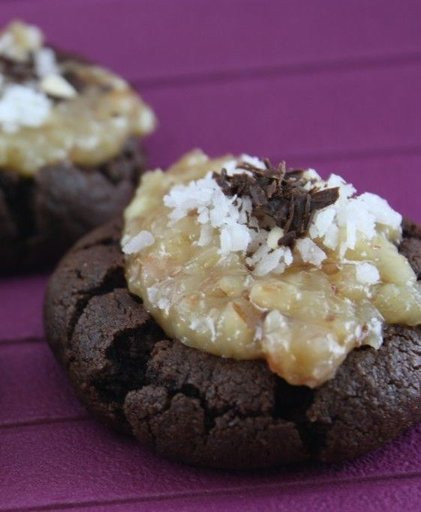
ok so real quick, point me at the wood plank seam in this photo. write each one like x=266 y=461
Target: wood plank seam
x=46 y=421
x=349 y=155
x=265 y=72
x=249 y=490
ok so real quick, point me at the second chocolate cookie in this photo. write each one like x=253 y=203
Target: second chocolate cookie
x=69 y=152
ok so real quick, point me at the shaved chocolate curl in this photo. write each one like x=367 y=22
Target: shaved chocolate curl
x=279 y=197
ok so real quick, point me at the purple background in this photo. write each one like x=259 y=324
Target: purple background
x=324 y=83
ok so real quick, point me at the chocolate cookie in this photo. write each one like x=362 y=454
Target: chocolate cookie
x=69 y=152
x=41 y=216
x=213 y=411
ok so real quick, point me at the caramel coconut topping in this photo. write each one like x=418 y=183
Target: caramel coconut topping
x=55 y=108
x=241 y=259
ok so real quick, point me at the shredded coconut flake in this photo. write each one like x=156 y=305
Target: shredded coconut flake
x=57 y=86
x=253 y=160
x=232 y=165
x=322 y=221
x=206 y=232
x=366 y=273
x=274 y=235
x=276 y=261
x=21 y=106
x=19 y=39
x=310 y=252
x=380 y=209
x=375 y=332
x=138 y=242
x=147 y=120
x=312 y=175
x=346 y=190
x=234 y=238
x=331 y=237
x=265 y=260
x=45 y=62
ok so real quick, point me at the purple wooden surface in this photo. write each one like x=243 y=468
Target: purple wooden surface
x=41 y=392
x=334 y=85
x=343 y=112
x=21 y=307
x=80 y=462
x=153 y=40
x=395 y=497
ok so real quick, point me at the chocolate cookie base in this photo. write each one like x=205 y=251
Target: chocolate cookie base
x=209 y=411
x=42 y=216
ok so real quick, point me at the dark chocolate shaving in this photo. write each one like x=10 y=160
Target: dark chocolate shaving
x=16 y=71
x=278 y=197
x=74 y=80
x=21 y=72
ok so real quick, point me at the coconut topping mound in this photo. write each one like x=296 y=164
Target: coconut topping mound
x=243 y=259
x=265 y=211
x=54 y=107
